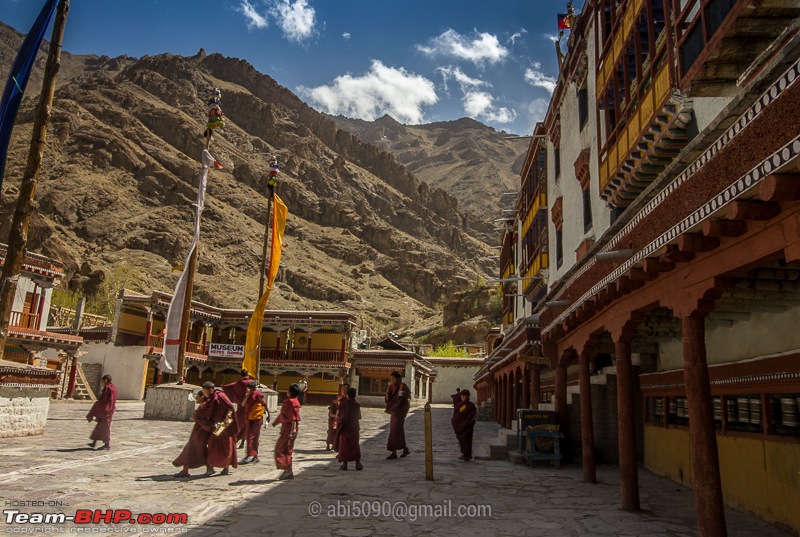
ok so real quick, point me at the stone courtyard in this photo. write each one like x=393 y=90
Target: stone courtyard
x=58 y=473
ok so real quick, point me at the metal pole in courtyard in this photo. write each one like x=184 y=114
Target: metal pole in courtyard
x=428 y=444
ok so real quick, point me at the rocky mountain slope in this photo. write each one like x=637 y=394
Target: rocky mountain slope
x=120 y=173
x=469 y=160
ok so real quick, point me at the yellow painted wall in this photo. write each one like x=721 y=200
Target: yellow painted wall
x=667 y=452
x=758 y=476
x=132 y=323
x=326 y=342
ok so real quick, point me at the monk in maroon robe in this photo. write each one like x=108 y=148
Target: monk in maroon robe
x=103 y=410
x=195 y=453
x=255 y=407
x=333 y=410
x=236 y=393
x=222 y=447
x=464 y=424
x=348 y=431
x=289 y=418
x=456 y=400
x=397 y=404
x=342 y=396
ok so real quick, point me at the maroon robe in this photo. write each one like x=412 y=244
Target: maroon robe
x=397 y=405
x=290 y=411
x=252 y=428
x=464 y=425
x=340 y=398
x=456 y=401
x=195 y=453
x=348 y=431
x=103 y=410
x=235 y=391
x=333 y=408
x=222 y=448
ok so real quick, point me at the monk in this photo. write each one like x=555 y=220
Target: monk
x=333 y=410
x=397 y=405
x=103 y=410
x=456 y=400
x=464 y=425
x=254 y=409
x=341 y=397
x=348 y=431
x=195 y=452
x=236 y=392
x=289 y=418
x=222 y=447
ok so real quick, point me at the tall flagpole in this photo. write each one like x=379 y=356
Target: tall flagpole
x=18 y=236
x=272 y=181
x=187 y=308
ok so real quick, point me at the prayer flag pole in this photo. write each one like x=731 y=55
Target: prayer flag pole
x=18 y=237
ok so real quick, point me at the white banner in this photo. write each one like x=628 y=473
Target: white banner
x=223 y=350
x=172 y=339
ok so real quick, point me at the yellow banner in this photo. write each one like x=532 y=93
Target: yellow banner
x=252 y=345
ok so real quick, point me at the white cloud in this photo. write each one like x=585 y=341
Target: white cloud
x=551 y=37
x=346 y=36
x=481 y=48
x=254 y=18
x=539 y=79
x=383 y=90
x=297 y=19
x=537 y=110
x=480 y=105
x=459 y=76
x=516 y=35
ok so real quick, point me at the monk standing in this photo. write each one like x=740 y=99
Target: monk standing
x=236 y=392
x=103 y=410
x=254 y=409
x=289 y=418
x=195 y=453
x=333 y=410
x=222 y=446
x=397 y=405
x=341 y=397
x=348 y=431
x=464 y=424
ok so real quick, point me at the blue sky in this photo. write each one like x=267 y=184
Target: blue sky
x=418 y=61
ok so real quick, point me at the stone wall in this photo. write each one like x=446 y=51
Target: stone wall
x=170 y=402
x=23 y=411
x=93 y=372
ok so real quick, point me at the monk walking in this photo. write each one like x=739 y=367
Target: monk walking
x=289 y=418
x=103 y=410
x=333 y=410
x=397 y=405
x=195 y=453
x=464 y=424
x=342 y=396
x=254 y=409
x=222 y=441
x=236 y=392
x=348 y=431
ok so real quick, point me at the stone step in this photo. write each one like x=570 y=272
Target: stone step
x=480 y=452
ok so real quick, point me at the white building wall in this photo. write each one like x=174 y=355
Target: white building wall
x=450 y=377
x=23 y=411
x=763 y=334
x=126 y=365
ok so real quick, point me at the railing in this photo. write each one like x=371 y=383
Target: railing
x=301 y=355
x=24 y=320
x=65 y=318
x=195 y=348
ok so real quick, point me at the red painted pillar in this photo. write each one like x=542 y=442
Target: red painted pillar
x=561 y=393
x=705 y=459
x=510 y=389
x=626 y=426
x=587 y=423
x=526 y=387
x=496 y=400
x=536 y=388
x=514 y=397
x=205 y=339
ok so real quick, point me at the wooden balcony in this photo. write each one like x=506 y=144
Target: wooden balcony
x=717 y=40
x=24 y=320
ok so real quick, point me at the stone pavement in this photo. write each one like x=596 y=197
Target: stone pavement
x=478 y=498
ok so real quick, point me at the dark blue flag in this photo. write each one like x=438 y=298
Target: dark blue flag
x=18 y=79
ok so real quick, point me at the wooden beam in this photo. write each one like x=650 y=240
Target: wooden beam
x=784 y=187
x=753 y=210
x=724 y=228
x=673 y=254
x=654 y=266
x=696 y=242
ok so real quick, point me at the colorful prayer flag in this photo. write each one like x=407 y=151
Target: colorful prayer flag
x=253 y=342
x=564 y=21
x=18 y=79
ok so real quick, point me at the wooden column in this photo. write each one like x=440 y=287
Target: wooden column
x=73 y=372
x=587 y=422
x=560 y=397
x=705 y=459
x=509 y=400
x=626 y=422
x=526 y=387
x=515 y=377
x=536 y=387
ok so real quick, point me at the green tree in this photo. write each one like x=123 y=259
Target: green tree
x=64 y=298
x=121 y=276
x=448 y=350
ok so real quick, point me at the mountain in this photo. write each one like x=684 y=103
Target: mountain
x=121 y=169
x=469 y=160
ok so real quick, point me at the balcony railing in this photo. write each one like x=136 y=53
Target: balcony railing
x=24 y=320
